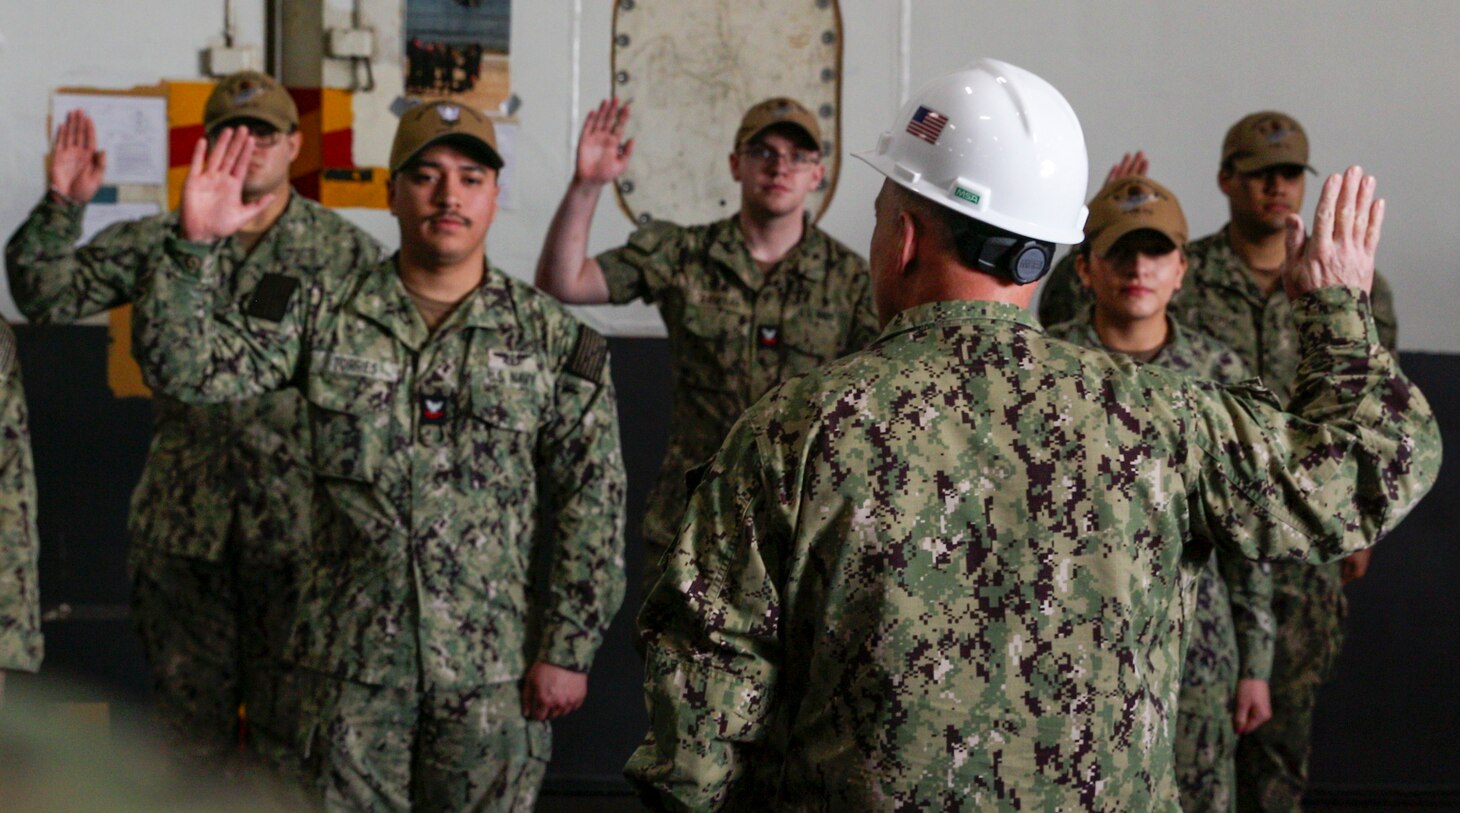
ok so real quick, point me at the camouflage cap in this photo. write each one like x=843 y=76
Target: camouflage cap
x=434 y=122
x=778 y=110
x=250 y=95
x=1266 y=139
x=1130 y=204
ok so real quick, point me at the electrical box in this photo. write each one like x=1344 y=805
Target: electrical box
x=348 y=43
x=223 y=60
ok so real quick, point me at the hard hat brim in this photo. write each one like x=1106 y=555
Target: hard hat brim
x=915 y=183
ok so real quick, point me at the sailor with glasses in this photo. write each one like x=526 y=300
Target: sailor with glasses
x=748 y=301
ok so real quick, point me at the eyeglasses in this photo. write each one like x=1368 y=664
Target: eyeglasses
x=264 y=136
x=798 y=160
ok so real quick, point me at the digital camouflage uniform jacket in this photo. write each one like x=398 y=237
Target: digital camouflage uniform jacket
x=1234 y=594
x=436 y=457
x=20 y=624
x=945 y=571
x=1231 y=631
x=213 y=473
x=734 y=332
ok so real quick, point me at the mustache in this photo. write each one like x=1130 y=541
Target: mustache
x=455 y=217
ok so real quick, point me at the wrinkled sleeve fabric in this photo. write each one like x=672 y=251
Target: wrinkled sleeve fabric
x=712 y=626
x=56 y=282
x=21 y=645
x=194 y=351
x=645 y=265
x=1356 y=451
x=584 y=488
x=1249 y=592
x=1382 y=300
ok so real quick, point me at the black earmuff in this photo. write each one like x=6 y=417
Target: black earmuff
x=1018 y=258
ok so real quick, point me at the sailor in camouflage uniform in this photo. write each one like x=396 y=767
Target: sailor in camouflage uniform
x=220 y=518
x=1232 y=293
x=748 y=301
x=460 y=420
x=946 y=572
x=1132 y=262
x=21 y=646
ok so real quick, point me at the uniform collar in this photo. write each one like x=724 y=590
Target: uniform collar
x=959 y=310
x=1223 y=266
x=382 y=298
x=806 y=259
x=1178 y=338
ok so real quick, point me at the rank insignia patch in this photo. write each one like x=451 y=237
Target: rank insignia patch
x=433 y=409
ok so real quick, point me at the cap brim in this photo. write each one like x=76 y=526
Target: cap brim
x=279 y=123
x=486 y=152
x=1257 y=163
x=810 y=136
x=1111 y=235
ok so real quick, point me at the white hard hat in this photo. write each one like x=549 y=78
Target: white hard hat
x=996 y=143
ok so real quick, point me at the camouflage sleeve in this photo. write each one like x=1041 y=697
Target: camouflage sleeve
x=20 y=627
x=1249 y=591
x=1357 y=452
x=584 y=486
x=53 y=281
x=193 y=351
x=643 y=266
x=865 y=325
x=1381 y=298
x=1063 y=297
x=712 y=629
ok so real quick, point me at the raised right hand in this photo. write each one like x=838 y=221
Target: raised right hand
x=602 y=153
x=77 y=166
x=1346 y=229
x=212 y=195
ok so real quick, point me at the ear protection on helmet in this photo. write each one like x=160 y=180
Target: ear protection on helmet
x=1018 y=258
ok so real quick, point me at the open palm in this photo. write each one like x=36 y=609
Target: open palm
x=602 y=153
x=212 y=196
x=77 y=166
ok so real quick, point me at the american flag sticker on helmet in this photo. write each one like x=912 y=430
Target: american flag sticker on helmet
x=927 y=124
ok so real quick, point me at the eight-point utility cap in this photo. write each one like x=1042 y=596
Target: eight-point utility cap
x=1266 y=139
x=779 y=110
x=435 y=122
x=1130 y=204
x=250 y=95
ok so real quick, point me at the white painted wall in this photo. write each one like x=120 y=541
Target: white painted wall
x=1374 y=83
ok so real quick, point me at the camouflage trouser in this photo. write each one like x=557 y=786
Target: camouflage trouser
x=185 y=612
x=1272 y=762
x=373 y=748
x=1206 y=743
x=211 y=632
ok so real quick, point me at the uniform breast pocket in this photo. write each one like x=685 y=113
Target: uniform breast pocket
x=710 y=346
x=350 y=419
x=812 y=337
x=503 y=418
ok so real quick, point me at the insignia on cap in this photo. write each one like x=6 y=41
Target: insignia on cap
x=1274 y=129
x=449 y=113
x=246 y=90
x=783 y=110
x=1136 y=196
